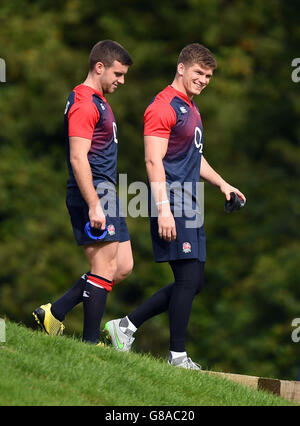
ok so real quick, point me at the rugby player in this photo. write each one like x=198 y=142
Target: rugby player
x=92 y=145
x=173 y=138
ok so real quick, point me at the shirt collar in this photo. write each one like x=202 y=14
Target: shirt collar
x=183 y=96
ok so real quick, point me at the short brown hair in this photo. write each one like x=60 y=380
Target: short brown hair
x=108 y=51
x=195 y=53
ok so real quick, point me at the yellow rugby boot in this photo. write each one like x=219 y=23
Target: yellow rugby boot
x=47 y=321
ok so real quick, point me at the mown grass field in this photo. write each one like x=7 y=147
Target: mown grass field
x=63 y=371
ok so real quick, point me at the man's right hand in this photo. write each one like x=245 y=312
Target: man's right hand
x=97 y=217
x=166 y=224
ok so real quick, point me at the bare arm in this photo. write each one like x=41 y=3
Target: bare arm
x=79 y=148
x=155 y=150
x=210 y=175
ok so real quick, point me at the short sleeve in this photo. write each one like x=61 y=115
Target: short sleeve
x=82 y=119
x=159 y=118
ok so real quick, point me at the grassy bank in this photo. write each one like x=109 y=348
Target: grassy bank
x=39 y=370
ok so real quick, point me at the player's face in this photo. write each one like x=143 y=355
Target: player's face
x=195 y=78
x=113 y=76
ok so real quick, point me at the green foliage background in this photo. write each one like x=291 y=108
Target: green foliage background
x=242 y=321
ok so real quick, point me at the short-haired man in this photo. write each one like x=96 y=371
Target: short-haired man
x=173 y=154
x=92 y=145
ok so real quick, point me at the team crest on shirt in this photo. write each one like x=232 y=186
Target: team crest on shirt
x=186 y=247
x=111 y=230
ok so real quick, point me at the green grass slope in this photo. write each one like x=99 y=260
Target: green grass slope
x=39 y=370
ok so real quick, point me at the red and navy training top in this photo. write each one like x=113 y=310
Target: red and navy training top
x=88 y=115
x=171 y=115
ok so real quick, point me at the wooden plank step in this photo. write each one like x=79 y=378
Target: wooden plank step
x=286 y=389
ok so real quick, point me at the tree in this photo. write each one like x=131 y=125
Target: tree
x=242 y=321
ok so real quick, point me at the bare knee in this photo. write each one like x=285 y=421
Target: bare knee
x=107 y=271
x=102 y=259
x=123 y=271
x=105 y=268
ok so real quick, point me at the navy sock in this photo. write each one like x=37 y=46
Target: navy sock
x=176 y=298
x=179 y=313
x=94 y=301
x=189 y=277
x=69 y=300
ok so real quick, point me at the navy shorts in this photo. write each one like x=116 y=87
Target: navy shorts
x=189 y=244
x=79 y=214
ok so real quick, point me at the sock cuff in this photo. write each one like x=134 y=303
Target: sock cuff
x=130 y=324
x=177 y=354
x=98 y=281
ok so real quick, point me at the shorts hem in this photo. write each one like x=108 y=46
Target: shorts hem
x=180 y=258
x=83 y=243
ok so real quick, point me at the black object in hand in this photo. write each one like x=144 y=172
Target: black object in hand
x=235 y=203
